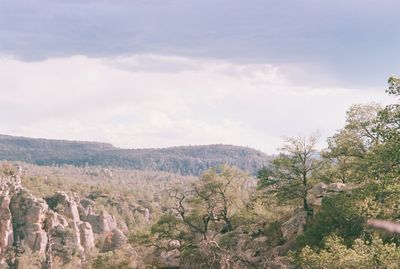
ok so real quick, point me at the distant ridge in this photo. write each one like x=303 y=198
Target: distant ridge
x=185 y=160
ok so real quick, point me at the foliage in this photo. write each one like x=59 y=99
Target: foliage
x=361 y=255
x=289 y=176
x=120 y=259
x=344 y=157
x=338 y=215
x=207 y=208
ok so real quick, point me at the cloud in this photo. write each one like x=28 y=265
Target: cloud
x=354 y=39
x=158 y=101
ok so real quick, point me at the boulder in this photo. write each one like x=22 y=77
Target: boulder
x=295 y=225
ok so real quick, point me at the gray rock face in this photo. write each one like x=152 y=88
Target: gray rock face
x=106 y=224
x=102 y=223
x=6 y=228
x=32 y=221
x=295 y=225
x=67 y=207
x=64 y=205
x=9 y=185
x=28 y=216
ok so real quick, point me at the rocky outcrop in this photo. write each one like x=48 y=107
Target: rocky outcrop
x=6 y=228
x=60 y=221
x=85 y=223
x=295 y=225
x=8 y=186
x=322 y=190
x=65 y=205
x=82 y=233
x=106 y=224
x=28 y=217
x=86 y=235
x=102 y=223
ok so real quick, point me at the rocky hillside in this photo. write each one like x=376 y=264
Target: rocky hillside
x=189 y=160
x=56 y=229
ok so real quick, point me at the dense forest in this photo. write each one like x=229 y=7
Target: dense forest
x=304 y=209
x=189 y=160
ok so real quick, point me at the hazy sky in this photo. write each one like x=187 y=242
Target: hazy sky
x=155 y=73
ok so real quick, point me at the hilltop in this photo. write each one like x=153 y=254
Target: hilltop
x=185 y=160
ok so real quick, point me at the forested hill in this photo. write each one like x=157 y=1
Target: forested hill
x=186 y=160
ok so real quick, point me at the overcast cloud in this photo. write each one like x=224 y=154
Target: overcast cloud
x=356 y=40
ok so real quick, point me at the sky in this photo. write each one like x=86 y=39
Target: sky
x=159 y=73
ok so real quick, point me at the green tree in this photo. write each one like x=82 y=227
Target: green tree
x=289 y=176
x=201 y=216
x=212 y=201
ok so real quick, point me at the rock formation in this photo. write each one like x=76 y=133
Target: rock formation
x=6 y=228
x=61 y=221
x=102 y=223
x=295 y=225
x=322 y=190
x=29 y=217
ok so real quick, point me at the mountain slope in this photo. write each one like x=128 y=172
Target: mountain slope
x=187 y=160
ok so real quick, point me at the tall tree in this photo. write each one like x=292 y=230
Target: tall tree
x=289 y=176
